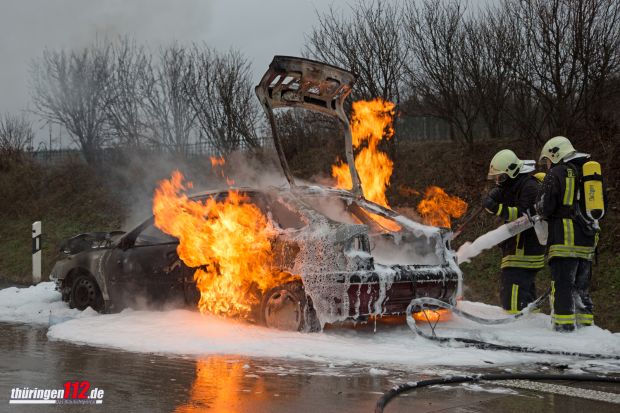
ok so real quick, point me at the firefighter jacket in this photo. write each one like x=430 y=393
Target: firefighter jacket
x=569 y=235
x=523 y=250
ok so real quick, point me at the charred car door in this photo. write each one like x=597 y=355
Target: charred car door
x=148 y=269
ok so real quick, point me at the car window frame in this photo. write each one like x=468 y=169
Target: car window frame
x=130 y=239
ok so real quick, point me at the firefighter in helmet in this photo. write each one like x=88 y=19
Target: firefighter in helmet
x=513 y=195
x=571 y=200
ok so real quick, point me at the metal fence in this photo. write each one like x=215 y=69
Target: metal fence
x=118 y=154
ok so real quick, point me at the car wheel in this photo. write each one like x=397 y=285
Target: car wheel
x=191 y=294
x=286 y=307
x=85 y=293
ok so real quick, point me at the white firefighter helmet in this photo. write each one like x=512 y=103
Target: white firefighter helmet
x=556 y=149
x=505 y=162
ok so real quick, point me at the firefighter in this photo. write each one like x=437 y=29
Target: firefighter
x=513 y=195
x=572 y=214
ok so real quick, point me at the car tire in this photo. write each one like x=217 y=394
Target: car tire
x=85 y=293
x=287 y=307
x=191 y=294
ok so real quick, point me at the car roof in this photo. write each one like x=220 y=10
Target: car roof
x=318 y=190
x=305 y=190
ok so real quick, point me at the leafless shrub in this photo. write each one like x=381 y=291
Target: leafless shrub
x=220 y=91
x=167 y=109
x=571 y=49
x=125 y=113
x=435 y=34
x=489 y=51
x=369 y=43
x=73 y=89
x=520 y=68
x=15 y=135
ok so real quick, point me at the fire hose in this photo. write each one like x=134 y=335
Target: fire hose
x=396 y=390
x=422 y=302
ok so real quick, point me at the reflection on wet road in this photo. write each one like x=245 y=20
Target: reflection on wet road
x=135 y=382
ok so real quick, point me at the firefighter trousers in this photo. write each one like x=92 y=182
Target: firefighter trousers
x=570 y=293
x=518 y=288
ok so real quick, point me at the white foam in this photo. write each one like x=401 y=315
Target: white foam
x=33 y=305
x=532 y=331
x=185 y=332
x=469 y=250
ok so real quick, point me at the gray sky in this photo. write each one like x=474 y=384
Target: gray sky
x=259 y=28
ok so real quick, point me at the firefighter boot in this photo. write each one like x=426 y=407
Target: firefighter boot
x=563 y=273
x=583 y=301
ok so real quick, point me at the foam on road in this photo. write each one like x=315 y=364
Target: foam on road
x=185 y=332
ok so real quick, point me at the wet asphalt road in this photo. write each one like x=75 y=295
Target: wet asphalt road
x=152 y=383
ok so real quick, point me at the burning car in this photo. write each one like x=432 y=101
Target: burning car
x=327 y=255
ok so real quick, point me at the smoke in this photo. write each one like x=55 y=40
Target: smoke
x=258 y=170
x=135 y=178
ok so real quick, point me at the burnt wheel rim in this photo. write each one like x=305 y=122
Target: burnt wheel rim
x=283 y=311
x=85 y=293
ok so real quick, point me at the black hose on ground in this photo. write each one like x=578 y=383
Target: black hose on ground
x=396 y=390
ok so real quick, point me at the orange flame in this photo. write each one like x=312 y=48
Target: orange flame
x=218 y=384
x=215 y=161
x=438 y=207
x=218 y=165
x=439 y=314
x=371 y=121
x=227 y=240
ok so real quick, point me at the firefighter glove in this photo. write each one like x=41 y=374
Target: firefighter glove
x=490 y=201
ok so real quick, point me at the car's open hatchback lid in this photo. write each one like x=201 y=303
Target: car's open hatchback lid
x=297 y=82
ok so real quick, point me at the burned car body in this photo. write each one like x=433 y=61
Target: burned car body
x=354 y=258
x=348 y=262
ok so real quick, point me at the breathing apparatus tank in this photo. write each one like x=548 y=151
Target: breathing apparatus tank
x=540 y=176
x=593 y=191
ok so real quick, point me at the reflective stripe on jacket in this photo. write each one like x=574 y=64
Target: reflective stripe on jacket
x=522 y=250
x=567 y=238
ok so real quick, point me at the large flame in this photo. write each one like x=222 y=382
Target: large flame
x=227 y=240
x=438 y=207
x=371 y=121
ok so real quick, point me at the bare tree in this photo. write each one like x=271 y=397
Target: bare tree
x=488 y=55
x=15 y=134
x=73 y=89
x=369 y=43
x=125 y=112
x=167 y=109
x=570 y=50
x=221 y=93
x=436 y=36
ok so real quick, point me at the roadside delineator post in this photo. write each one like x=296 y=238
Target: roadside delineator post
x=36 y=252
